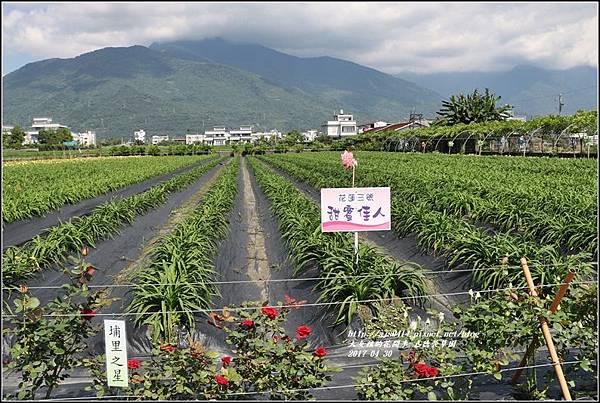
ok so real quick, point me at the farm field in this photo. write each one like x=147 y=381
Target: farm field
x=35 y=188
x=221 y=271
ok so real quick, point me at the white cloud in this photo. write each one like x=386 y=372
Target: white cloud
x=392 y=37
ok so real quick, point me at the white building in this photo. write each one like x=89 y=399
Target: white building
x=243 y=135
x=218 y=136
x=369 y=126
x=87 y=138
x=139 y=135
x=272 y=134
x=31 y=136
x=310 y=135
x=343 y=125
x=46 y=124
x=159 y=139
x=194 y=138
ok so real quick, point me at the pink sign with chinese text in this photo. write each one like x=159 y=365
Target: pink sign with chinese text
x=355 y=209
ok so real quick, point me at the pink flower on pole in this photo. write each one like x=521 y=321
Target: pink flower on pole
x=348 y=160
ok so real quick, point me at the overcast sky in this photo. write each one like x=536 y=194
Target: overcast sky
x=391 y=37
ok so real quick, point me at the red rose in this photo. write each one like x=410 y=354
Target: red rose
x=133 y=364
x=248 y=323
x=168 y=347
x=302 y=332
x=226 y=360
x=90 y=271
x=221 y=380
x=88 y=313
x=425 y=371
x=320 y=352
x=421 y=369
x=271 y=313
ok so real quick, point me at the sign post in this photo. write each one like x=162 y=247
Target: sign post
x=355 y=209
x=115 y=340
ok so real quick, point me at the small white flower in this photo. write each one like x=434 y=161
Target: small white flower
x=471 y=293
x=413 y=325
x=427 y=322
x=405 y=314
x=477 y=296
x=441 y=317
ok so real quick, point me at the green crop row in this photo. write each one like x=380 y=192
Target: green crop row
x=375 y=277
x=440 y=228
x=33 y=188
x=179 y=279
x=555 y=203
x=55 y=244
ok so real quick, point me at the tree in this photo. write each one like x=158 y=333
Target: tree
x=15 y=138
x=293 y=137
x=110 y=142
x=475 y=107
x=63 y=134
x=54 y=136
x=324 y=139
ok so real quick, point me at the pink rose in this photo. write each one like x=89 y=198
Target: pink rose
x=348 y=160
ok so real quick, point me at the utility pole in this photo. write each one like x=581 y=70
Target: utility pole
x=560 y=103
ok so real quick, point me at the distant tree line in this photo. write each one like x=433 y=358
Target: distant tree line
x=180 y=149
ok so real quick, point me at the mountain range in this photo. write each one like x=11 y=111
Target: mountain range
x=189 y=86
x=531 y=90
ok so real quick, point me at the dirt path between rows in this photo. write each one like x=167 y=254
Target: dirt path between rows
x=175 y=217
x=129 y=250
x=254 y=252
x=258 y=264
x=403 y=250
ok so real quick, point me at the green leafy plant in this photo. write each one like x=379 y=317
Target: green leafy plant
x=49 y=339
x=56 y=243
x=33 y=188
x=376 y=276
x=179 y=280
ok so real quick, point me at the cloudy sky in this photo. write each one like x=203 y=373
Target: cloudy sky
x=391 y=37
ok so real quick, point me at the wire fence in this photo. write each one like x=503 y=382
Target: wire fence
x=473 y=293
x=333 y=387
x=300 y=279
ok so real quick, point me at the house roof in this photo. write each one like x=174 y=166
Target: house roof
x=393 y=126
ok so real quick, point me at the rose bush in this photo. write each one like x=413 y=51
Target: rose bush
x=48 y=339
x=266 y=361
x=271 y=362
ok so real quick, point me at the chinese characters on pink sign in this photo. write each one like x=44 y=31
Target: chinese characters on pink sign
x=355 y=209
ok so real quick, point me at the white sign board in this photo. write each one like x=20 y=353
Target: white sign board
x=115 y=341
x=355 y=209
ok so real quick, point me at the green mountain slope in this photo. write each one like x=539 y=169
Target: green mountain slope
x=118 y=90
x=368 y=93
